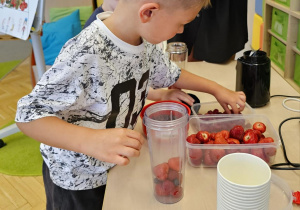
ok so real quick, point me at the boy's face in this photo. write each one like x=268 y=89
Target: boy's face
x=164 y=24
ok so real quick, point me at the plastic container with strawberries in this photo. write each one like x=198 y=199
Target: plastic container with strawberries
x=213 y=136
x=214 y=107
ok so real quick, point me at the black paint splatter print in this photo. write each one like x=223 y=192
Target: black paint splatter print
x=97 y=81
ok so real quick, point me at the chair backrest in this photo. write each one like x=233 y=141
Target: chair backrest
x=64 y=3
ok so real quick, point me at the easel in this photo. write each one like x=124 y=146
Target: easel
x=38 y=55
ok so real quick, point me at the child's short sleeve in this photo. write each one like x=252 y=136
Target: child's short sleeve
x=163 y=72
x=60 y=89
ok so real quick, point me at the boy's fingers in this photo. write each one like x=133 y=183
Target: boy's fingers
x=186 y=98
x=121 y=160
x=242 y=96
x=136 y=135
x=129 y=152
x=241 y=105
x=225 y=107
x=133 y=143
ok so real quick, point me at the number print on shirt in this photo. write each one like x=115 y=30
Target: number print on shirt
x=128 y=86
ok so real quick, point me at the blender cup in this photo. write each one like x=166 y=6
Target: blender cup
x=167 y=125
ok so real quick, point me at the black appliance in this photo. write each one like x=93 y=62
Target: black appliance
x=253 y=75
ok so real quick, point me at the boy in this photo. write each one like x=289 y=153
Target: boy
x=154 y=95
x=84 y=108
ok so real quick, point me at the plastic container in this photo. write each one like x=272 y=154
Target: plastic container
x=277 y=54
x=178 y=53
x=297 y=70
x=167 y=124
x=280 y=194
x=207 y=155
x=205 y=107
x=284 y=2
x=148 y=105
x=280 y=22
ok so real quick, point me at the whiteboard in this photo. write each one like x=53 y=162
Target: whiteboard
x=16 y=17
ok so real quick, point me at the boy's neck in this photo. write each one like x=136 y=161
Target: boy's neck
x=123 y=27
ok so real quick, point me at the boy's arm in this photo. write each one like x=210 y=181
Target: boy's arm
x=110 y=145
x=236 y=100
x=169 y=95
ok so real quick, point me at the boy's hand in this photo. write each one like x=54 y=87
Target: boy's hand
x=236 y=100
x=114 y=145
x=176 y=95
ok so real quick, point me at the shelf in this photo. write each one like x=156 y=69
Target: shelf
x=278 y=6
x=276 y=68
x=296 y=50
x=295 y=14
x=291 y=40
x=293 y=84
x=276 y=36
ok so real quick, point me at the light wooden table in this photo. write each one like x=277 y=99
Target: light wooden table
x=130 y=187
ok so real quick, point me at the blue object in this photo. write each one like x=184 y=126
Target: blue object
x=259 y=7
x=56 y=34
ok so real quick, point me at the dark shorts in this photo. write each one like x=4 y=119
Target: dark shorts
x=59 y=198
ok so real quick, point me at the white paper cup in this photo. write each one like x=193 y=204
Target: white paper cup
x=243 y=182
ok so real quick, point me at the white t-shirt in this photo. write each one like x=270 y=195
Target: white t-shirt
x=97 y=81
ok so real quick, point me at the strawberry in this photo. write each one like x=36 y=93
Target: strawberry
x=173 y=175
x=160 y=191
x=216 y=111
x=223 y=133
x=259 y=126
x=175 y=163
x=268 y=151
x=250 y=138
x=220 y=140
x=203 y=136
x=195 y=153
x=177 y=192
x=168 y=186
x=258 y=133
x=161 y=171
x=232 y=141
x=207 y=158
x=210 y=142
x=196 y=162
x=260 y=153
x=164 y=188
x=192 y=139
x=212 y=136
x=217 y=154
x=246 y=131
x=195 y=156
x=237 y=132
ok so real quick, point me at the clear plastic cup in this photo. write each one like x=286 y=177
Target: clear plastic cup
x=167 y=125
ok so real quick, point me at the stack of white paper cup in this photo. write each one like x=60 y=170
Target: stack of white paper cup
x=243 y=182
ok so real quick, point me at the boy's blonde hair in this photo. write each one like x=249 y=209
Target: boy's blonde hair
x=185 y=4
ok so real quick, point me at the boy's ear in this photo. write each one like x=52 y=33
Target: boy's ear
x=146 y=11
